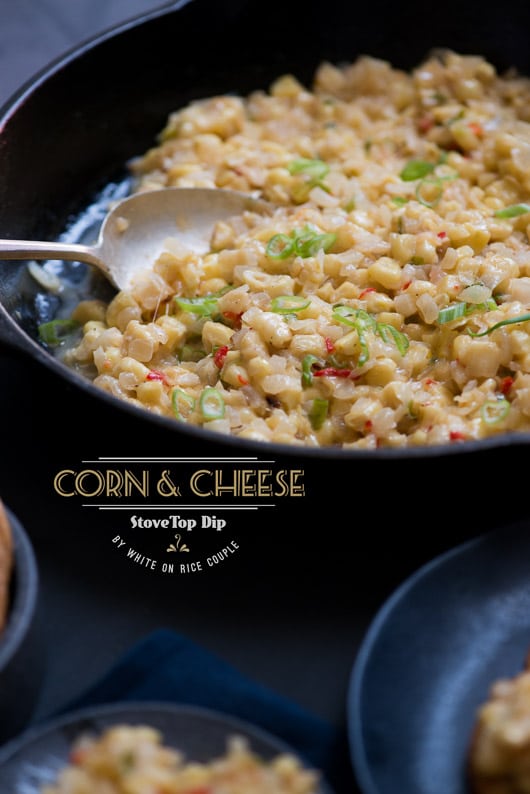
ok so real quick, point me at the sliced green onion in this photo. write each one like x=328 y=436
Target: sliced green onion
x=202 y=307
x=494 y=411
x=318 y=413
x=362 y=317
x=286 y=304
x=362 y=321
x=55 y=331
x=436 y=180
x=450 y=313
x=301 y=242
x=412 y=410
x=211 y=404
x=463 y=308
x=400 y=339
x=279 y=247
x=316 y=169
x=221 y=291
x=306 y=246
x=307 y=367
x=400 y=201
x=522 y=318
x=424 y=185
x=512 y=211
x=345 y=315
x=416 y=169
x=191 y=353
x=181 y=400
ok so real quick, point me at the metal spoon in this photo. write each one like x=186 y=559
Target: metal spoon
x=133 y=233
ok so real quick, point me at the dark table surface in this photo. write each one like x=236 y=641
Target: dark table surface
x=292 y=609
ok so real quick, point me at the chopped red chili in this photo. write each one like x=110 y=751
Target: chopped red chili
x=220 y=355
x=330 y=347
x=368 y=425
x=243 y=381
x=476 y=128
x=506 y=384
x=442 y=235
x=406 y=285
x=234 y=318
x=155 y=374
x=366 y=291
x=332 y=372
x=456 y=435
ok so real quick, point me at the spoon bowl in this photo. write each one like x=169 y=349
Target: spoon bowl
x=134 y=232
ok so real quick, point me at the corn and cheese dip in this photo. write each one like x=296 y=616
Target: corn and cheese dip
x=499 y=756
x=384 y=301
x=133 y=760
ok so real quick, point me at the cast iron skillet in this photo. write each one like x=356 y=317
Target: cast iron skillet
x=73 y=128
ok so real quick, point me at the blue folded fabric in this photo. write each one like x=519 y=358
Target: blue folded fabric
x=167 y=666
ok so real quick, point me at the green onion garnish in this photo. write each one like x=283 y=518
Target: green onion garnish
x=202 y=307
x=305 y=245
x=300 y=242
x=399 y=201
x=362 y=321
x=462 y=309
x=191 y=353
x=494 y=411
x=353 y=317
x=182 y=401
x=450 y=313
x=423 y=188
x=420 y=191
x=55 y=331
x=522 y=318
x=286 y=304
x=279 y=247
x=316 y=169
x=512 y=211
x=318 y=413
x=307 y=367
x=416 y=169
x=211 y=404
x=400 y=340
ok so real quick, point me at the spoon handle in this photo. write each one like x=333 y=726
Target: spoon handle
x=31 y=249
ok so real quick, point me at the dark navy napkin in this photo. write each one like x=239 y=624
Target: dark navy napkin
x=167 y=666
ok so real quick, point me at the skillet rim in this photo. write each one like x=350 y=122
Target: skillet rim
x=14 y=335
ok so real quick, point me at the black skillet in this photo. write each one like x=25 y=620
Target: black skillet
x=71 y=130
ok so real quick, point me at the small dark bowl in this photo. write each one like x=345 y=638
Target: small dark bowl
x=18 y=678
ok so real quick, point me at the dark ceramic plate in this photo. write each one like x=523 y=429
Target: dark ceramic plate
x=34 y=759
x=428 y=661
x=20 y=658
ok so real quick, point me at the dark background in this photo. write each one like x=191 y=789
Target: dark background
x=291 y=609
